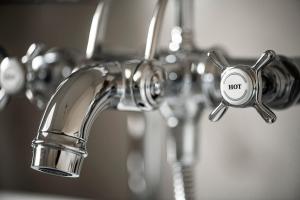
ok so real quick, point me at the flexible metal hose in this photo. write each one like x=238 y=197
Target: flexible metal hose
x=183 y=181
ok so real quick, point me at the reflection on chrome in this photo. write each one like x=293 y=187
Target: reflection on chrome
x=60 y=145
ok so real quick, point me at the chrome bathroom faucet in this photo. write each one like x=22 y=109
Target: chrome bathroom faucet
x=60 y=145
x=136 y=85
x=181 y=82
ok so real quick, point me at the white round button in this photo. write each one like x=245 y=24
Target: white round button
x=236 y=86
x=12 y=75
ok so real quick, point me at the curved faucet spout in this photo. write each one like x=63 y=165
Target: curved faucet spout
x=60 y=145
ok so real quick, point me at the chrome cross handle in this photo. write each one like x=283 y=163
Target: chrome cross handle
x=241 y=86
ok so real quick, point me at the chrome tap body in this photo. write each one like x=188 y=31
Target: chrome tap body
x=60 y=145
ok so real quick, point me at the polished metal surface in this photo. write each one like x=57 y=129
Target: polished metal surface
x=98 y=28
x=137 y=85
x=77 y=102
x=242 y=86
x=12 y=76
x=12 y=79
x=154 y=29
x=182 y=35
x=147 y=177
x=61 y=142
x=246 y=84
x=37 y=74
x=45 y=70
x=184 y=109
x=183 y=181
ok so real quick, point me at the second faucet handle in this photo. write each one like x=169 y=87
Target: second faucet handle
x=12 y=79
x=241 y=86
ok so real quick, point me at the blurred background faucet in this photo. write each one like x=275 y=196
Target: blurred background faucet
x=37 y=74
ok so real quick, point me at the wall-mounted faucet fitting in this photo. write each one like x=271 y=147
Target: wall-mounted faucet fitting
x=60 y=145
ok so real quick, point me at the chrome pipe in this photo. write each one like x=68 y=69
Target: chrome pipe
x=148 y=179
x=182 y=147
x=155 y=29
x=98 y=27
x=182 y=35
x=185 y=15
x=183 y=140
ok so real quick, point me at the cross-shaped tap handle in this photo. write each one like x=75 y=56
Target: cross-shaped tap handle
x=241 y=86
